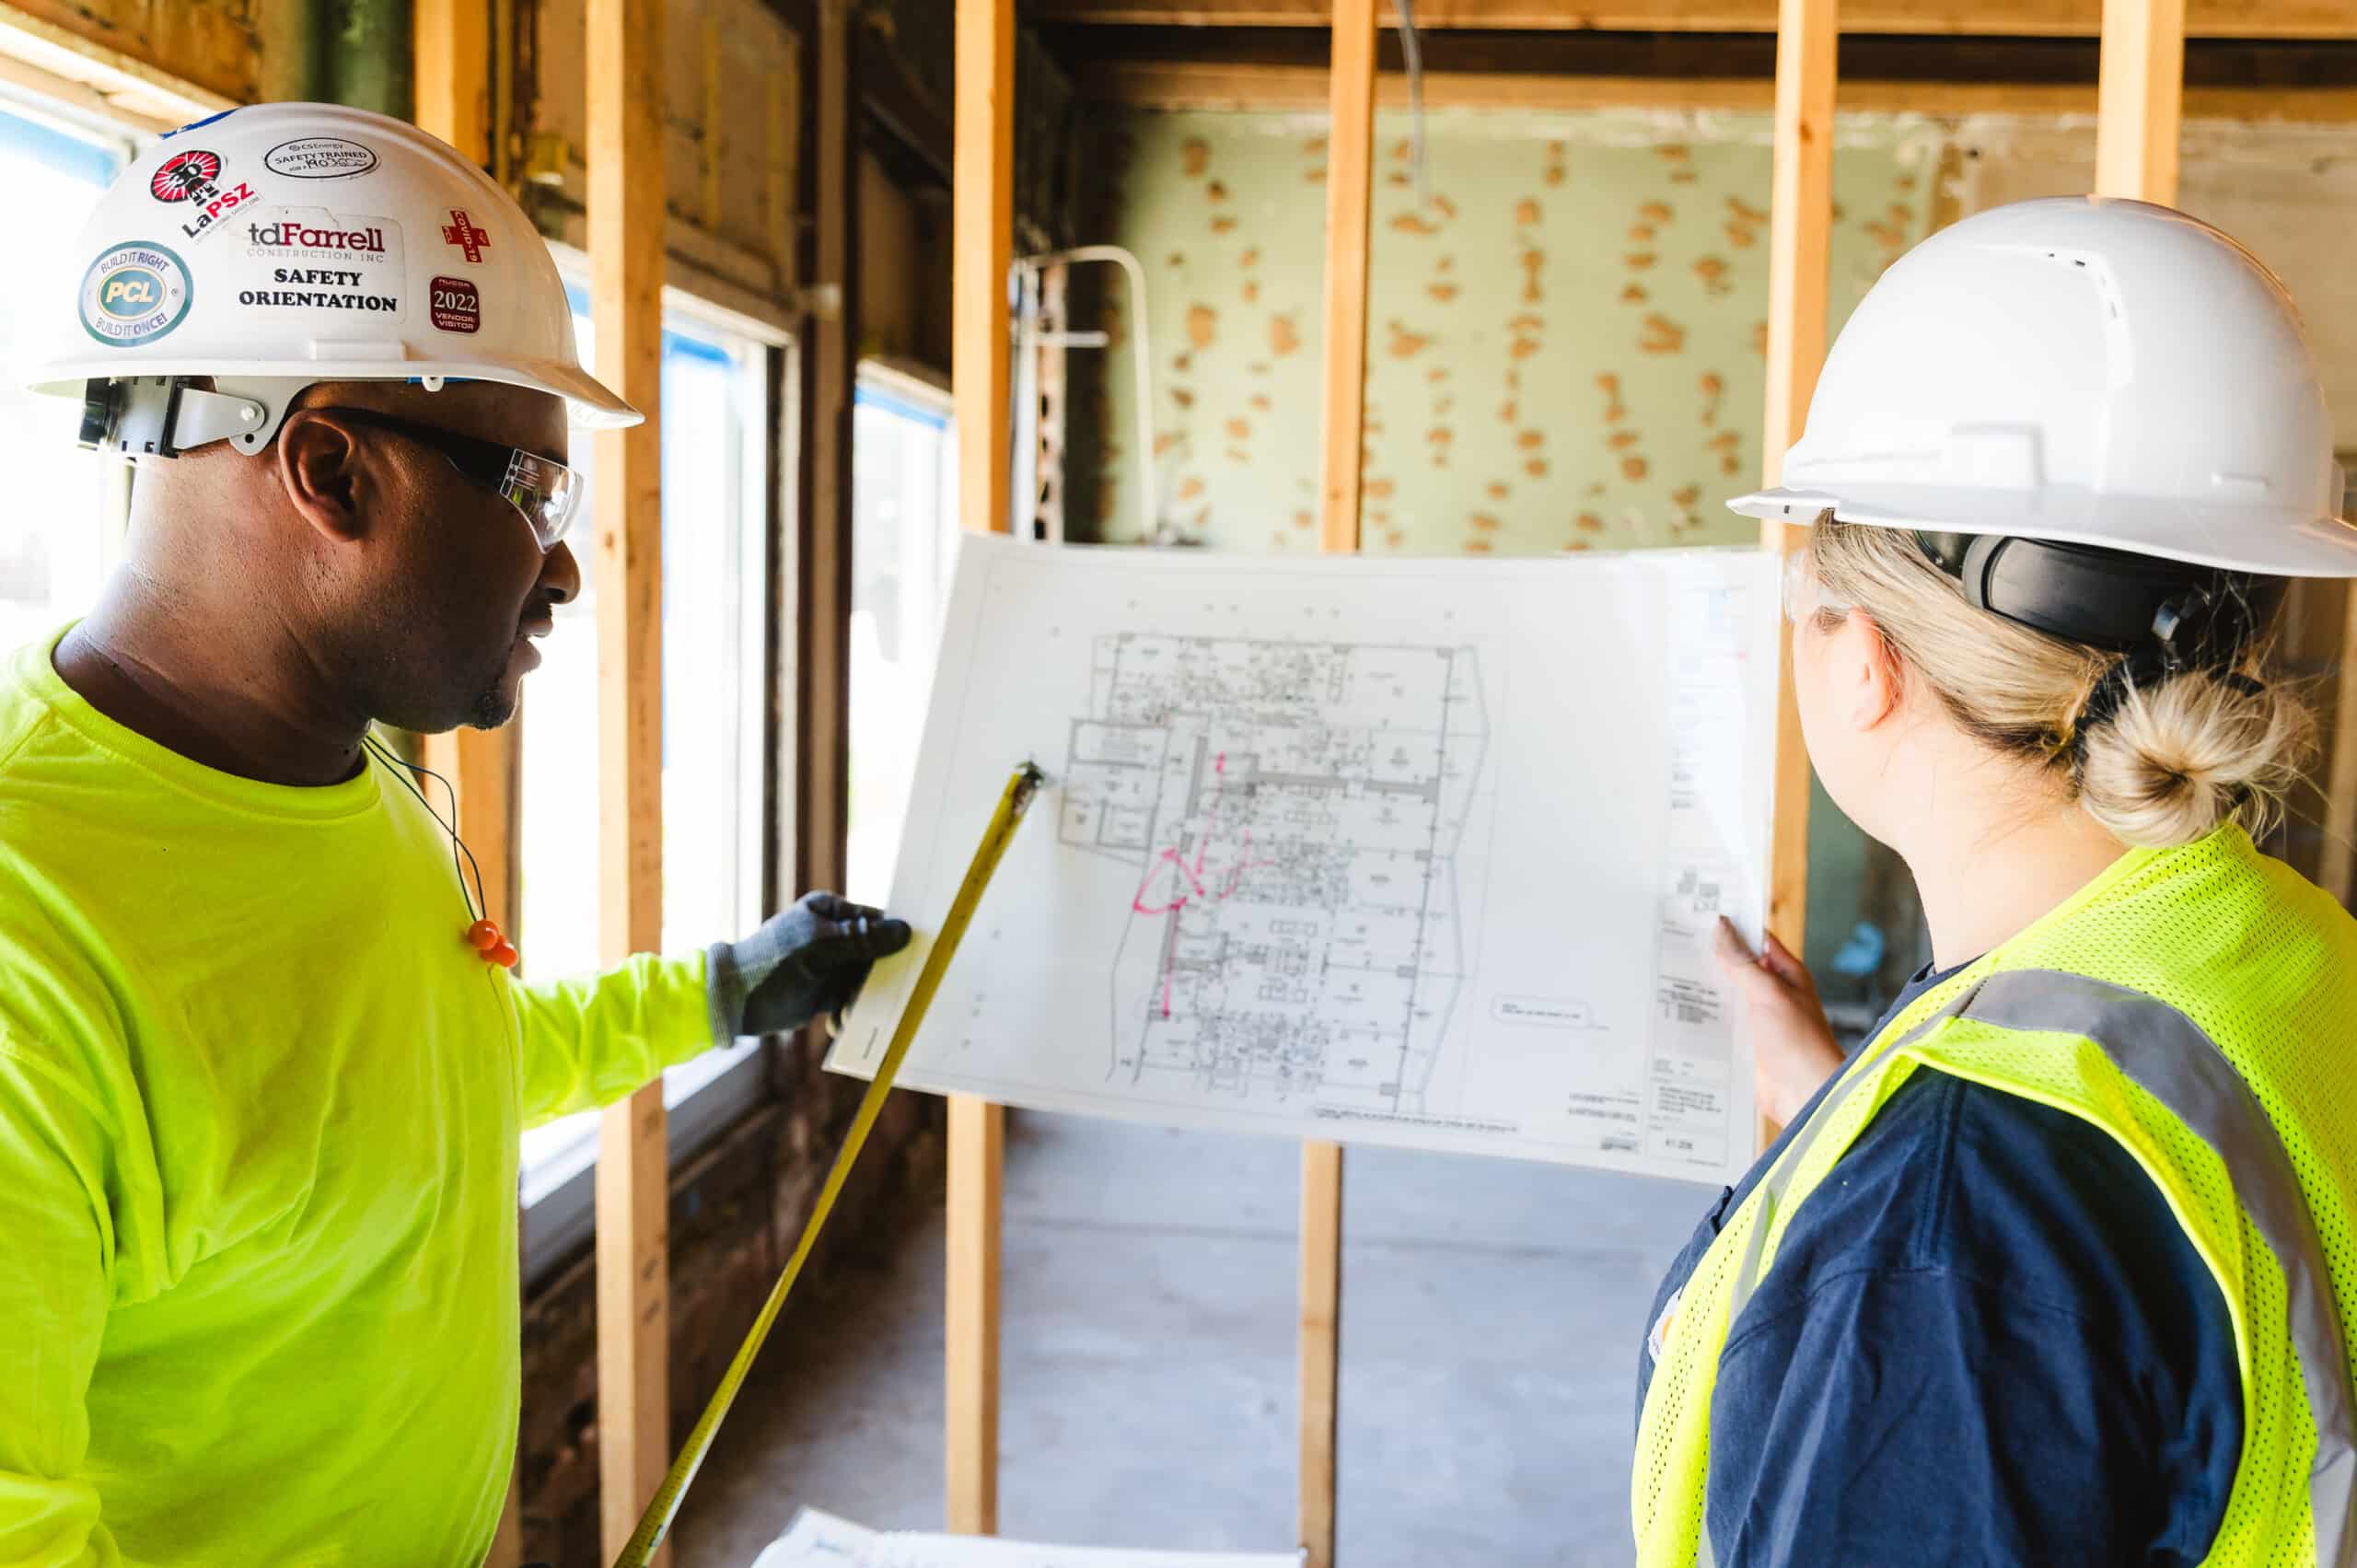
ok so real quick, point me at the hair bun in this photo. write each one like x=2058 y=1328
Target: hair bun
x=2177 y=756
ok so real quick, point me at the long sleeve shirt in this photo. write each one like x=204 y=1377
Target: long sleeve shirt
x=259 y=1110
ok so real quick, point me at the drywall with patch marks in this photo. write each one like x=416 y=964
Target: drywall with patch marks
x=1566 y=330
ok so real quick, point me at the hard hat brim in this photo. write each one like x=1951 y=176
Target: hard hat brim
x=2235 y=538
x=589 y=404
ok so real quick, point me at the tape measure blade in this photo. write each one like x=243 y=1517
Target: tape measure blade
x=654 y=1522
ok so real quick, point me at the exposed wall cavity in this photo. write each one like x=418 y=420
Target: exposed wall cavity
x=1566 y=337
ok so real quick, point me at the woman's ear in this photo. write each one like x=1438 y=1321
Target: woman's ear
x=320 y=464
x=1879 y=687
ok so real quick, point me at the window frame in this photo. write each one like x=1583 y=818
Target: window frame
x=557 y=1197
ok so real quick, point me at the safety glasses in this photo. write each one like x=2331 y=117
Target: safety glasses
x=1803 y=595
x=547 y=492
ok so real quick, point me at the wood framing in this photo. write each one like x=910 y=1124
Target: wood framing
x=983 y=220
x=1800 y=229
x=453 y=73
x=2139 y=98
x=626 y=212
x=484 y=767
x=2335 y=873
x=2041 y=18
x=1349 y=183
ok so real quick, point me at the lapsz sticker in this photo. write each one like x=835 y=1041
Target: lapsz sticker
x=325 y=262
x=320 y=157
x=135 y=293
x=191 y=179
x=461 y=234
x=456 y=306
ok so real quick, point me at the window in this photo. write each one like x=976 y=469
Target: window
x=715 y=514
x=904 y=542
x=59 y=537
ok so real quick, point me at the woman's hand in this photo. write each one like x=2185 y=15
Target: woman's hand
x=1792 y=1049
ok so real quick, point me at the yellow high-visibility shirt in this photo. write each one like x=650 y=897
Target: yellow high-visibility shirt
x=258 y=1109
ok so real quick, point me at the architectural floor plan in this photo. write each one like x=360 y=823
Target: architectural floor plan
x=1292 y=812
x=1406 y=852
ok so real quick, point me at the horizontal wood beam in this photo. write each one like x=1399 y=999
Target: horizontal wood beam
x=2033 y=18
x=1146 y=84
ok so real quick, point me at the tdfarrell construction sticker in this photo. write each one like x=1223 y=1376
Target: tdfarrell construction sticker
x=325 y=261
x=456 y=306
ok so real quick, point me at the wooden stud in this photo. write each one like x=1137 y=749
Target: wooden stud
x=483 y=767
x=626 y=225
x=823 y=613
x=983 y=229
x=2340 y=858
x=1350 y=176
x=2139 y=99
x=1350 y=173
x=977 y=1165
x=452 y=40
x=1321 y=1346
x=1799 y=235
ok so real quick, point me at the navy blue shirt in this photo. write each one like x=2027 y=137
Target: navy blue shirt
x=1985 y=1339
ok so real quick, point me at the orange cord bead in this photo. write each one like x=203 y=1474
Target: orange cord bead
x=504 y=955
x=483 y=936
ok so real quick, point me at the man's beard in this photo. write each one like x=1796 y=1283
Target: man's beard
x=493 y=706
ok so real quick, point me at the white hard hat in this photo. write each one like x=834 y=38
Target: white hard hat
x=278 y=246
x=2082 y=370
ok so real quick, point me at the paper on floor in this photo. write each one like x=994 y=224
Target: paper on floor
x=821 y=1540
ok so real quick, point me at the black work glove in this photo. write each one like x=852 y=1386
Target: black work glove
x=807 y=963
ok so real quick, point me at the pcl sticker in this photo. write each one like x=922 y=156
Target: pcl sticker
x=135 y=293
x=320 y=157
x=191 y=179
x=456 y=306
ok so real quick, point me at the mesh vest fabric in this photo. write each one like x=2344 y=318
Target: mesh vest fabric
x=2252 y=958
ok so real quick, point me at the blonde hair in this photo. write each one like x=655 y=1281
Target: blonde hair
x=2177 y=757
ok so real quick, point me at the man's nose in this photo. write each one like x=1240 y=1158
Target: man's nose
x=560 y=574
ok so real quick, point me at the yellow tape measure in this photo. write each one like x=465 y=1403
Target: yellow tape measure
x=656 y=1522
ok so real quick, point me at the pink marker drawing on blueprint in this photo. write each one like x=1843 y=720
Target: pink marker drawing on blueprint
x=1294 y=809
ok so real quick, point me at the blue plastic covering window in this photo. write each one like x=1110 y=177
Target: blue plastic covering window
x=866 y=396
x=56 y=150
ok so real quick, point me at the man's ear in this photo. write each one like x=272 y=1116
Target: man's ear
x=1881 y=674
x=323 y=469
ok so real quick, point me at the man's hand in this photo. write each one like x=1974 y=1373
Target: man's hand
x=809 y=962
x=1792 y=1049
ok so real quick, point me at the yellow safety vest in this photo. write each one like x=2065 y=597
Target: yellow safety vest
x=2199 y=1004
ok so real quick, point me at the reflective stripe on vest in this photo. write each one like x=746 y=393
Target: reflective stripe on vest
x=2167 y=1055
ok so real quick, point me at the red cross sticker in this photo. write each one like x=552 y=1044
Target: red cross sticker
x=461 y=232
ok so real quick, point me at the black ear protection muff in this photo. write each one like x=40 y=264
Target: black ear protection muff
x=2199 y=617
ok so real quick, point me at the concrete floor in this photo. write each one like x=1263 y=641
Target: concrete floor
x=1492 y=1312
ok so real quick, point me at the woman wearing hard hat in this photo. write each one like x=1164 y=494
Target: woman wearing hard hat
x=2056 y=1267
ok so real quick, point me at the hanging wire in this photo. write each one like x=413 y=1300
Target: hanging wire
x=478 y=907
x=1412 y=50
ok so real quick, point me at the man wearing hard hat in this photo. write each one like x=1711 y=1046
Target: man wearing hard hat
x=262 y=1063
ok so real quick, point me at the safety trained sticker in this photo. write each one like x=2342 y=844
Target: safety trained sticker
x=320 y=157
x=325 y=262
x=135 y=293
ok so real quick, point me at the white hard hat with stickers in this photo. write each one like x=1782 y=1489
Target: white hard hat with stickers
x=275 y=247
x=2081 y=369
